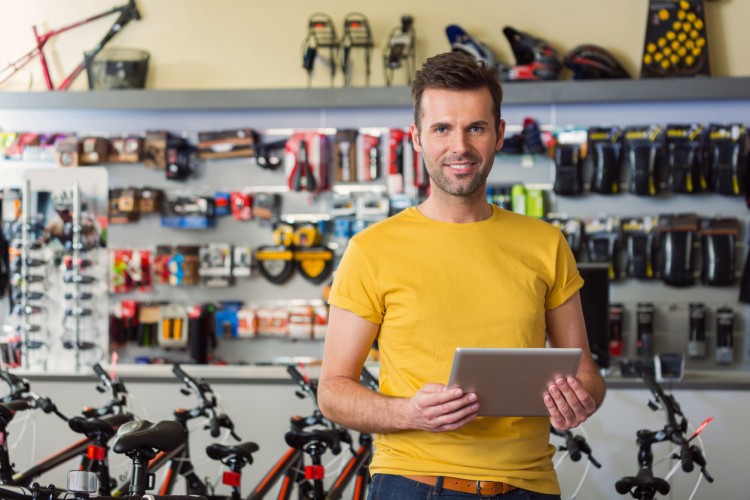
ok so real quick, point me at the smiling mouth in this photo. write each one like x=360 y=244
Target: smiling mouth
x=459 y=166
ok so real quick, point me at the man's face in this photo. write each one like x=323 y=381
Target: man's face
x=458 y=139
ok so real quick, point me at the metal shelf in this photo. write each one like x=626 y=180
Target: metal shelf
x=516 y=93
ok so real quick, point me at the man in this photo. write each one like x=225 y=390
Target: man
x=454 y=272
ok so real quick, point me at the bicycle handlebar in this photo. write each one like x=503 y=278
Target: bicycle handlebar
x=21 y=393
x=18 y=386
x=644 y=484
x=207 y=407
x=115 y=387
x=576 y=446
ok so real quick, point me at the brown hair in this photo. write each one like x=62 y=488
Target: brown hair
x=455 y=71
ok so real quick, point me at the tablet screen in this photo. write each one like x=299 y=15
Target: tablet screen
x=511 y=382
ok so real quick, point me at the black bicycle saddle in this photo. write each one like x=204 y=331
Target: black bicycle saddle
x=91 y=427
x=165 y=435
x=244 y=451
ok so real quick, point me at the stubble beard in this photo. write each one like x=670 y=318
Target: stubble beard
x=459 y=187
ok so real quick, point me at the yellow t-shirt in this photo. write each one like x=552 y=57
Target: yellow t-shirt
x=434 y=286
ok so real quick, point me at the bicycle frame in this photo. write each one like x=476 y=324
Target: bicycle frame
x=127 y=12
x=356 y=467
x=99 y=466
x=178 y=464
x=287 y=468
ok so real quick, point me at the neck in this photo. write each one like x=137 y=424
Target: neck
x=459 y=210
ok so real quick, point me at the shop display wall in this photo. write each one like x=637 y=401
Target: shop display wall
x=556 y=104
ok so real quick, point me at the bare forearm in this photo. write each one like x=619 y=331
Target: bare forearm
x=352 y=405
x=593 y=382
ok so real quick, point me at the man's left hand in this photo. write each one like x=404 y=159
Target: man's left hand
x=569 y=403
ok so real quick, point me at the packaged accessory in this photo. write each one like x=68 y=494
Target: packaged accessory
x=728 y=158
x=644 y=149
x=677 y=233
x=718 y=238
x=724 y=336
x=639 y=234
x=697 y=334
x=234 y=143
x=216 y=265
x=127 y=149
x=173 y=326
x=345 y=156
x=602 y=236
x=676 y=42
x=645 y=339
x=686 y=158
x=616 y=314
x=572 y=228
x=605 y=148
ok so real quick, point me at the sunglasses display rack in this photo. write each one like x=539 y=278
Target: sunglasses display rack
x=79 y=331
x=28 y=316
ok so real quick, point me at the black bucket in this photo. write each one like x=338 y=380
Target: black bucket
x=118 y=69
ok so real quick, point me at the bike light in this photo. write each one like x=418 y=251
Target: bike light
x=231 y=478
x=96 y=452
x=314 y=472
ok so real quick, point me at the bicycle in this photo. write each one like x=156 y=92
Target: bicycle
x=645 y=485
x=97 y=424
x=313 y=436
x=126 y=13
x=139 y=440
x=575 y=447
x=178 y=460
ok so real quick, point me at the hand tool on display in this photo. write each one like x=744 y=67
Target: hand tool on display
x=396 y=160
x=303 y=178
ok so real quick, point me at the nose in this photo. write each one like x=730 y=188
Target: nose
x=460 y=143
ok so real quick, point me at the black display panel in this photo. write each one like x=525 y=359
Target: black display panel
x=595 y=303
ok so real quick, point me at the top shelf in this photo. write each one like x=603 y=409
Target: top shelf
x=519 y=93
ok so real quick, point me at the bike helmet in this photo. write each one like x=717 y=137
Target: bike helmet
x=461 y=41
x=588 y=62
x=536 y=59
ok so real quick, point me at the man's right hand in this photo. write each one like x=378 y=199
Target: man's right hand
x=436 y=408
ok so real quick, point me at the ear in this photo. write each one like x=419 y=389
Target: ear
x=415 y=138
x=500 y=135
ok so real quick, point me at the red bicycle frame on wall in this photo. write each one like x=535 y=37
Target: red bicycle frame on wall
x=127 y=12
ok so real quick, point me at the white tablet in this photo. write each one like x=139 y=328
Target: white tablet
x=511 y=382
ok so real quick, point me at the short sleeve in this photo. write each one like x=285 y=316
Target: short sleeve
x=354 y=287
x=567 y=278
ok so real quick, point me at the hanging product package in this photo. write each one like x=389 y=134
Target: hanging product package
x=728 y=158
x=677 y=233
x=570 y=152
x=686 y=172
x=640 y=242
x=644 y=149
x=605 y=149
x=603 y=243
x=676 y=41
x=718 y=238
